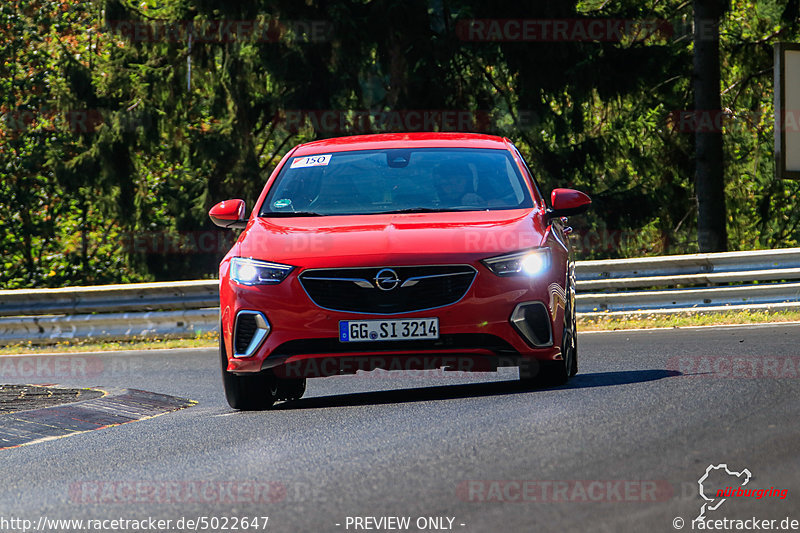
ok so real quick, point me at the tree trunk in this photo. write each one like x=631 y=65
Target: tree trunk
x=712 y=235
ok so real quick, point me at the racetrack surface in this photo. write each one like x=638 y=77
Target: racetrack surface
x=621 y=448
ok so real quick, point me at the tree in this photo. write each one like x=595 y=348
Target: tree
x=712 y=233
x=103 y=139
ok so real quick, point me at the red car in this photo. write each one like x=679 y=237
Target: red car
x=399 y=252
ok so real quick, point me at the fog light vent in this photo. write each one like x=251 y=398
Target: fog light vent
x=532 y=322
x=250 y=331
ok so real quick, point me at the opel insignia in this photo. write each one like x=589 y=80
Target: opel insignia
x=396 y=252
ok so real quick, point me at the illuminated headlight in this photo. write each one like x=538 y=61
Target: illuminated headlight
x=254 y=272
x=530 y=262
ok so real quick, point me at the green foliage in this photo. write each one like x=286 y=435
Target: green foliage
x=761 y=209
x=116 y=124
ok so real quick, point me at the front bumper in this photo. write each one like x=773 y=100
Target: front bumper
x=483 y=330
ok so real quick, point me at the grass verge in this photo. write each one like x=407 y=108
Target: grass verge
x=649 y=321
x=206 y=340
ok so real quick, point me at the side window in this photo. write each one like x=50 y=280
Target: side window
x=541 y=198
x=514 y=183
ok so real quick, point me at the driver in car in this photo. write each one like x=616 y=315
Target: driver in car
x=455 y=185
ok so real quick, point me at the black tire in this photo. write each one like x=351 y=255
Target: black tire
x=574 y=358
x=543 y=374
x=291 y=389
x=573 y=318
x=250 y=392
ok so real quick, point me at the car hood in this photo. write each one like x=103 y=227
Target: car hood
x=397 y=239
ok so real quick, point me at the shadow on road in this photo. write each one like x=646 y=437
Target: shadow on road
x=472 y=390
x=627 y=377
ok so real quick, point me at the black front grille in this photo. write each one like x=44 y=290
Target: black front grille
x=418 y=288
x=245 y=330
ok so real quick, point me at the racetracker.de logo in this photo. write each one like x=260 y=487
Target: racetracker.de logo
x=716 y=485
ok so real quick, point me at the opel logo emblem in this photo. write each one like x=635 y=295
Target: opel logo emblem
x=386 y=279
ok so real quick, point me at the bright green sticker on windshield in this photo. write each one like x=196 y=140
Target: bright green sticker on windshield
x=283 y=202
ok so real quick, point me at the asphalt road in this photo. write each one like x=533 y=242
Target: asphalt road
x=621 y=448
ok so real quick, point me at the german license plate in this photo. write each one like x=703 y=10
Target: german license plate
x=404 y=329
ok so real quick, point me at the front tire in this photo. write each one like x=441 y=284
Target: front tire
x=573 y=321
x=544 y=374
x=251 y=392
x=291 y=389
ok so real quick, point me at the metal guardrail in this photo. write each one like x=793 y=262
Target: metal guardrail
x=136 y=297
x=53 y=329
x=689 y=269
x=674 y=284
x=759 y=279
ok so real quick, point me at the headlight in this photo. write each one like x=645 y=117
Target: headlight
x=529 y=262
x=254 y=272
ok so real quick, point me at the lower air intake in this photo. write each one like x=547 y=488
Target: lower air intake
x=250 y=330
x=532 y=322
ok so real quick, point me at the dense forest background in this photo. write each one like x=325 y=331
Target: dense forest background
x=123 y=122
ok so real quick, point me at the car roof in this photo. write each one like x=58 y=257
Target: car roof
x=402 y=140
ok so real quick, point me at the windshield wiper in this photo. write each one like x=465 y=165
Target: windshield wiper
x=416 y=210
x=291 y=214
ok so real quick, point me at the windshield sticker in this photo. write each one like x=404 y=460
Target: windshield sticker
x=311 y=161
x=280 y=204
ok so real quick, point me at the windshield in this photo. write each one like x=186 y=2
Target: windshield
x=397 y=181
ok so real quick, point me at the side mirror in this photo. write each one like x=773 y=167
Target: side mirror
x=568 y=202
x=229 y=214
